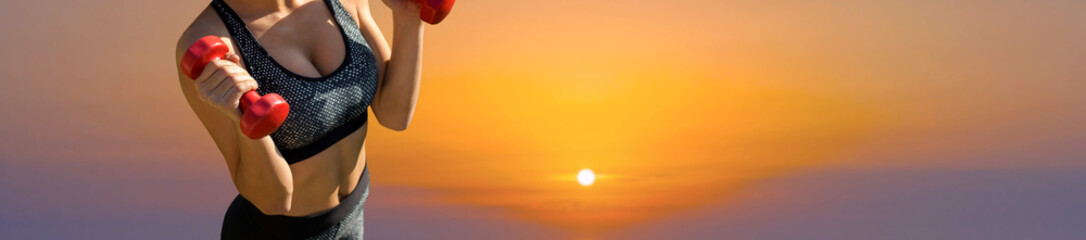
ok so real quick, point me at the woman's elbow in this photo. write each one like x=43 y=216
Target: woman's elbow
x=396 y=125
x=397 y=121
x=277 y=205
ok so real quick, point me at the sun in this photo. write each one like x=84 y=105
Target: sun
x=586 y=177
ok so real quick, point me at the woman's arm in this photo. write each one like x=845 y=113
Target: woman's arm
x=262 y=175
x=257 y=169
x=398 y=89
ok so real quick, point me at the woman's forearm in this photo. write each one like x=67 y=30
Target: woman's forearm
x=400 y=88
x=263 y=177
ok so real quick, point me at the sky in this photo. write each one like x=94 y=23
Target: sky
x=777 y=119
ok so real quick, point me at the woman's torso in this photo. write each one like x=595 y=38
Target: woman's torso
x=307 y=41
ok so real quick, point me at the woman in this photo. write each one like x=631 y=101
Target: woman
x=308 y=180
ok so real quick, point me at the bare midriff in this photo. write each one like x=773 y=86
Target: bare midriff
x=322 y=180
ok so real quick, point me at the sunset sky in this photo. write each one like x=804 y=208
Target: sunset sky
x=711 y=119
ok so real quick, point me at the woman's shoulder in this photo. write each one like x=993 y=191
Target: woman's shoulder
x=356 y=7
x=354 y=3
x=207 y=23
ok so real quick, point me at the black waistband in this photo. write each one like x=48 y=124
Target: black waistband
x=288 y=227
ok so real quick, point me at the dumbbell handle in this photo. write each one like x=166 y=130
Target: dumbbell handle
x=262 y=115
x=204 y=54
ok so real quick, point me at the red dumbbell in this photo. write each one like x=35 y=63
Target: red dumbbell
x=433 y=11
x=262 y=115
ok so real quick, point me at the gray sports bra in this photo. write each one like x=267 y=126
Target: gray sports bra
x=323 y=110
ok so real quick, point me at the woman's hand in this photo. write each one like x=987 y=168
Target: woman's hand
x=222 y=83
x=403 y=8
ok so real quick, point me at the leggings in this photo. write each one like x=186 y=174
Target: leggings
x=344 y=221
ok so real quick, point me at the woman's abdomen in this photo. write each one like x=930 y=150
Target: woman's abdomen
x=321 y=180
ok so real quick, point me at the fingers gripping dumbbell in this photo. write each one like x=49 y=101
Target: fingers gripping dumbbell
x=262 y=115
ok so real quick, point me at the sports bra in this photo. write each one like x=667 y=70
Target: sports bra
x=323 y=110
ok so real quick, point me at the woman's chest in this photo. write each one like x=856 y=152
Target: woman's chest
x=307 y=42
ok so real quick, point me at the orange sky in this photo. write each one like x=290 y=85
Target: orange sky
x=680 y=103
x=677 y=104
